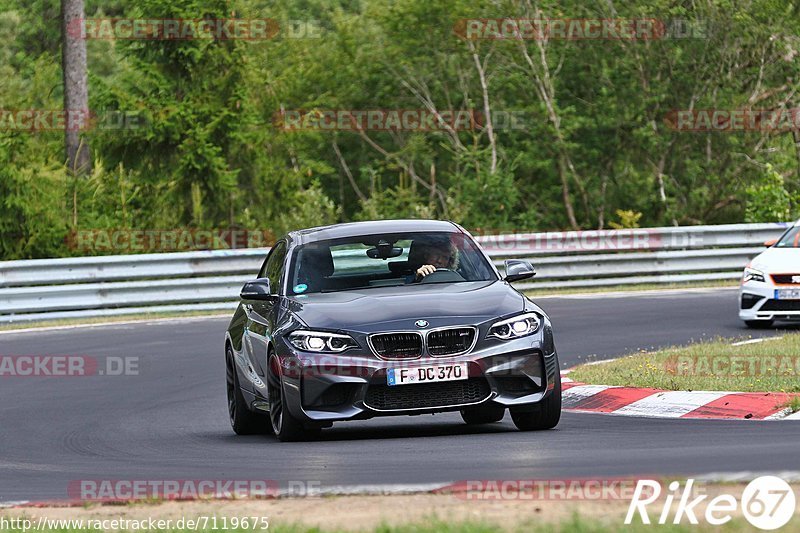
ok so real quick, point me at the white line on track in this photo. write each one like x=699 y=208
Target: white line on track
x=780 y=415
x=579 y=392
x=6 y=505
x=671 y=404
x=790 y=476
x=756 y=341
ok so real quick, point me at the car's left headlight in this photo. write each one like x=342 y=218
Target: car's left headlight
x=321 y=341
x=515 y=327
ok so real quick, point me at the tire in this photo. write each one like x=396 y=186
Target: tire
x=285 y=426
x=243 y=420
x=484 y=414
x=758 y=324
x=545 y=414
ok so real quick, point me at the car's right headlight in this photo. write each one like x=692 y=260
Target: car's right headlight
x=321 y=341
x=751 y=274
x=515 y=327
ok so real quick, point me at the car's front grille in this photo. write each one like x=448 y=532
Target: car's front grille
x=397 y=345
x=780 y=305
x=427 y=395
x=786 y=279
x=450 y=341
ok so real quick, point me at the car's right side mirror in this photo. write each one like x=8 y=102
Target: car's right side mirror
x=770 y=243
x=258 y=289
x=517 y=270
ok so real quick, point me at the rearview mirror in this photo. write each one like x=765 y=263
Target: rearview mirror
x=258 y=289
x=384 y=250
x=770 y=243
x=517 y=270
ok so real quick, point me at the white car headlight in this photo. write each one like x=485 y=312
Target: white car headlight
x=515 y=327
x=751 y=274
x=321 y=341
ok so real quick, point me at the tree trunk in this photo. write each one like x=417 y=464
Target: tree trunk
x=76 y=91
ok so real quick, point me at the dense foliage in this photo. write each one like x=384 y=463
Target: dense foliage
x=593 y=146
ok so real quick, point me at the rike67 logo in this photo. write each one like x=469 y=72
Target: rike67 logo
x=767 y=502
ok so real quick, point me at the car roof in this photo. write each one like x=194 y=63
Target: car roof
x=371 y=227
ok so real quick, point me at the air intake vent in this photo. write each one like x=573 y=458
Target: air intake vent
x=428 y=395
x=780 y=305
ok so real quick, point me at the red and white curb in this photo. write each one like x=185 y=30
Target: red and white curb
x=632 y=401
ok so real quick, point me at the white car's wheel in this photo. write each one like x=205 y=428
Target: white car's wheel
x=758 y=324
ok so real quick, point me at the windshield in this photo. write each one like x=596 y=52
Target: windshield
x=385 y=260
x=791 y=239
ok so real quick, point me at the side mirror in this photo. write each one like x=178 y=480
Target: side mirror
x=517 y=270
x=258 y=289
x=770 y=243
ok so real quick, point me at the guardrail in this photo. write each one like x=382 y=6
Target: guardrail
x=46 y=289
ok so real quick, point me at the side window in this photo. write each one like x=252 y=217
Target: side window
x=274 y=266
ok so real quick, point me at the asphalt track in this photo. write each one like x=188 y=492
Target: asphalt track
x=170 y=422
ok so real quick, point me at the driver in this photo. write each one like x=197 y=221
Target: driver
x=435 y=257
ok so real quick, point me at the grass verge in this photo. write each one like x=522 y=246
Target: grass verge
x=575 y=523
x=769 y=366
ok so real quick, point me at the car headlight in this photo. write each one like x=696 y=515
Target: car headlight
x=321 y=341
x=515 y=327
x=751 y=274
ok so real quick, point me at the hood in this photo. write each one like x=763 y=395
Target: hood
x=397 y=308
x=778 y=261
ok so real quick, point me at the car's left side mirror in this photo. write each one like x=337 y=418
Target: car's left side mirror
x=517 y=270
x=258 y=289
x=770 y=243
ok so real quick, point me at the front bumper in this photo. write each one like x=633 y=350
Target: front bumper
x=517 y=373
x=757 y=302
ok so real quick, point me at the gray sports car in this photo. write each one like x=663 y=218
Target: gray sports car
x=394 y=317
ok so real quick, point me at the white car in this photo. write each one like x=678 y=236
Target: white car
x=771 y=282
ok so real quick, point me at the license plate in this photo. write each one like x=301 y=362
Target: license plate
x=787 y=294
x=426 y=374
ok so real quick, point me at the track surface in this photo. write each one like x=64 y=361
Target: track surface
x=170 y=422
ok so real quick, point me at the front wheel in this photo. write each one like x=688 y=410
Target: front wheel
x=545 y=414
x=758 y=324
x=243 y=420
x=286 y=427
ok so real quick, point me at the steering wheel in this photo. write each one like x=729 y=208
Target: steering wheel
x=442 y=275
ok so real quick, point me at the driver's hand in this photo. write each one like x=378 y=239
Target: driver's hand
x=425 y=270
